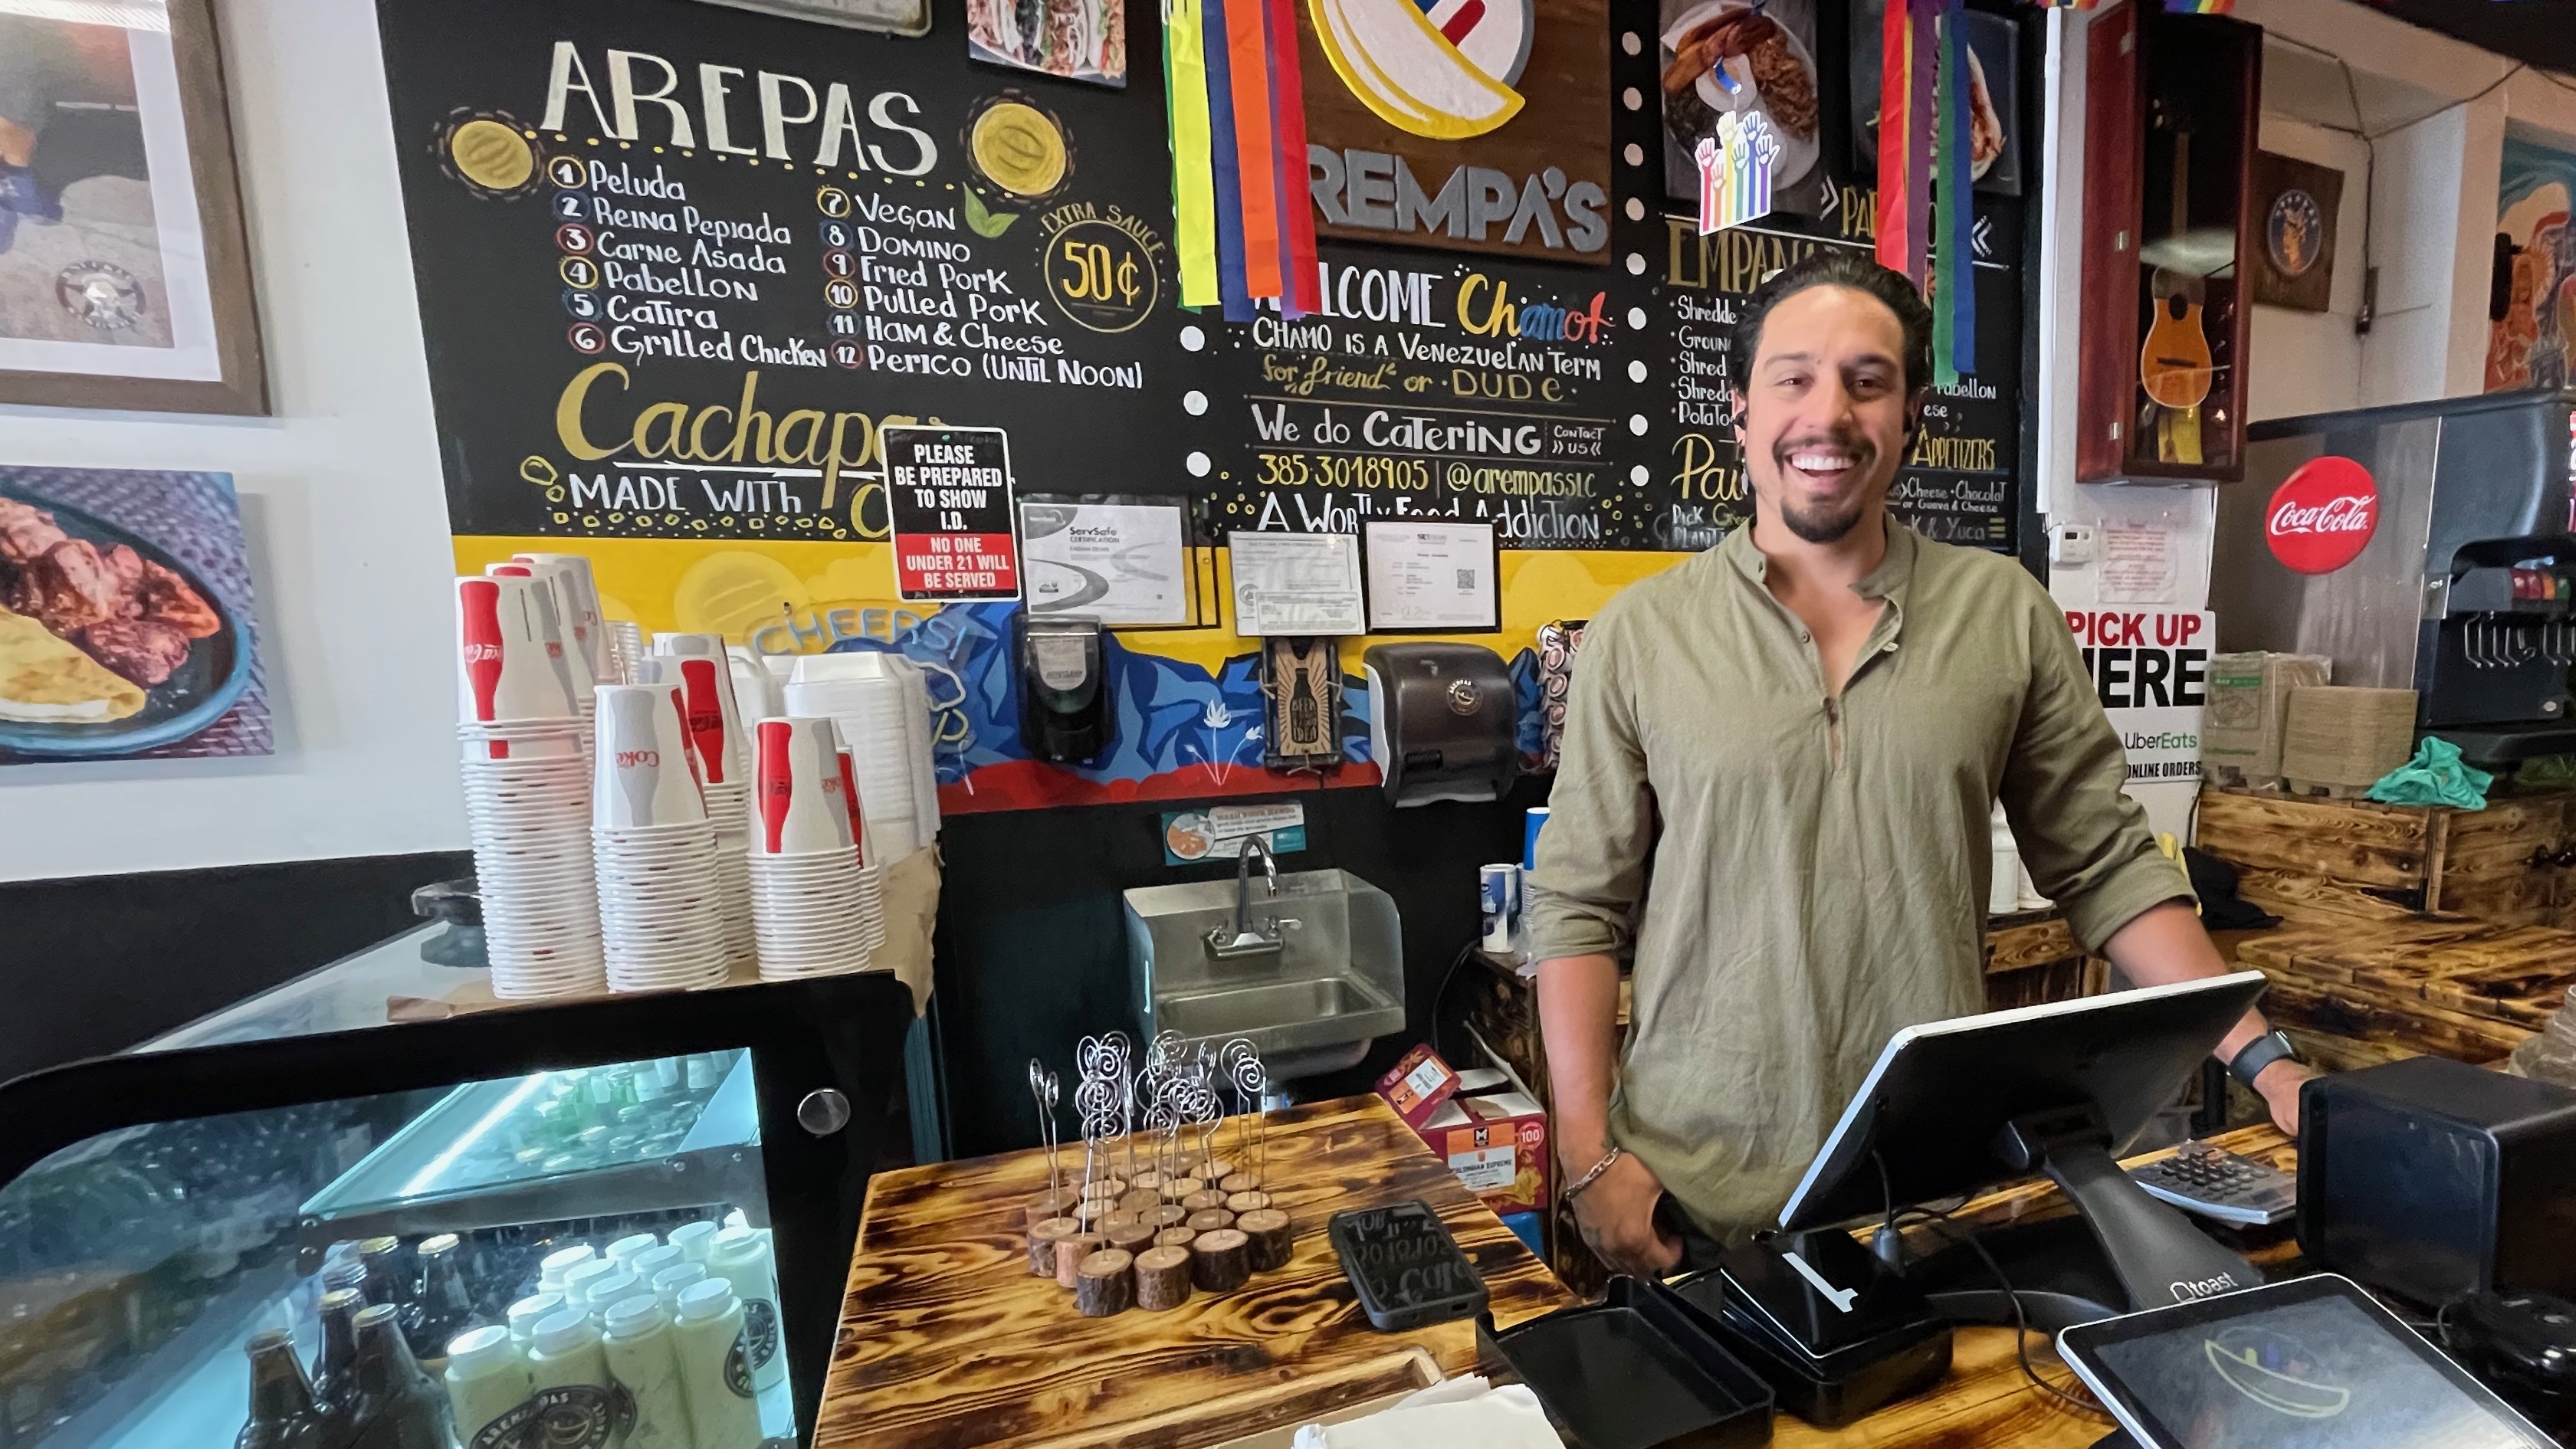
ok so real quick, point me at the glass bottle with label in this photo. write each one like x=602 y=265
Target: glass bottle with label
x=282 y=1412
x=715 y=1369
x=446 y=1303
x=741 y=1257
x=401 y=1405
x=389 y=1272
x=641 y=1360
x=486 y=1382
x=568 y=1378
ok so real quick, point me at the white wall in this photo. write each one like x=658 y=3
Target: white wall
x=2326 y=374
x=340 y=495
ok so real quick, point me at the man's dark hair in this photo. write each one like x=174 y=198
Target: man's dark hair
x=1838 y=267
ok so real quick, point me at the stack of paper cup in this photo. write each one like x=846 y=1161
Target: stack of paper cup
x=871 y=869
x=589 y=627
x=921 y=739
x=559 y=614
x=723 y=743
x=870 y=705
x=527 y=795
x=807 y=887
x=654 y=847
x=754 y=687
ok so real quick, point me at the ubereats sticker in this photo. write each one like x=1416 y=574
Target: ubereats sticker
x=949 y=492
x=2150 y=669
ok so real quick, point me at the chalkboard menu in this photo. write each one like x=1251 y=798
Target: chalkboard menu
x=679 y=264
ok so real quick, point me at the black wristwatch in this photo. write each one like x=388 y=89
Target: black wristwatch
x=2261 y=1052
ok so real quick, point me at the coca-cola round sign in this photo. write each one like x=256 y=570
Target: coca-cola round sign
x=2322 y=516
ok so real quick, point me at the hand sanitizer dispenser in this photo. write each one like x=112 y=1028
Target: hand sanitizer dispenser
x=1064 y=687
x=1443 y=722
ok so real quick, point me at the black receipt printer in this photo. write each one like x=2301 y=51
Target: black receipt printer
x=2431 y=1178
x=1836 y=1333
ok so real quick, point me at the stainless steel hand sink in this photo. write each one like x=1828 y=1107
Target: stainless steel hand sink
x=1308 y=966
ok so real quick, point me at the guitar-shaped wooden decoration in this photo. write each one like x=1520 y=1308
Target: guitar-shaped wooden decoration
x=2174 y=363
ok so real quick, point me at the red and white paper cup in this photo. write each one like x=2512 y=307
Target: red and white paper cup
x=798 y=806
x=505 y=670
x=644 y=775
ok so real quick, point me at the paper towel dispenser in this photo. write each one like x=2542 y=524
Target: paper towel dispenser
x=1443 y=723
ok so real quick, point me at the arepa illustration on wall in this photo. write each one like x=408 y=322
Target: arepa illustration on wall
x=1480 y=125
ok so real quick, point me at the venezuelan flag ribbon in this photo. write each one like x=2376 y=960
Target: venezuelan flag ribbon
x=1185 y=89
x=1302 y=289
x=1225 y=161
x=1907 y=52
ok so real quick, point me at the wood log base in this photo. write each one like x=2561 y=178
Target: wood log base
x=1105 y=1284
x=1169 y=1215
x=1130 y=1237
x=1202 y=1200
x=1246 y=1202
x=1241 y=1182
x=1176 y=1237
x=1140 y=1200
x=1069 y=1253
x=1216 y=1169
x=1056 y=1204
x=1210 y=1220
x=1220 y=1261
x=1149 y=1178
x=1163 y=1277
x=1181 y=1189
x=1099 y=1188
x=1044 y=1234
x=1269 y=1244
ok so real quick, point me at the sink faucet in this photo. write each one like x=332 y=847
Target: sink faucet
x=1247 y=939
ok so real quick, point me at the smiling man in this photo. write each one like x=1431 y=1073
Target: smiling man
x=1780 y=759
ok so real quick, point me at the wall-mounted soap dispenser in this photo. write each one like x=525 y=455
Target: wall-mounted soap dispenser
x=1064 y=687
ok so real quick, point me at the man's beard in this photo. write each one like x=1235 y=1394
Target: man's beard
x=1828 y=522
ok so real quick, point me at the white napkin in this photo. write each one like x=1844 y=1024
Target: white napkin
x=1504 y=1418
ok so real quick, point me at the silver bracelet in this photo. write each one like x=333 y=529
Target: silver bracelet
x=1589 y=1178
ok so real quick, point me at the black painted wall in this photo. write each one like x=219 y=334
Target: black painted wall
x=1032 y=940
x=95 y=964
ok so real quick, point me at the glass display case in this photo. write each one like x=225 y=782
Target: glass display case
x=620 y=1223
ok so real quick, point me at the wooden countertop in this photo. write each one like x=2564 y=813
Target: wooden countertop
x=946 y=1341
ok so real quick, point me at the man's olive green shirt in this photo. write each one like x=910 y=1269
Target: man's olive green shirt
x=1801 y=877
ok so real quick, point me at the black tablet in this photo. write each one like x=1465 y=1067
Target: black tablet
x=2313 y=1363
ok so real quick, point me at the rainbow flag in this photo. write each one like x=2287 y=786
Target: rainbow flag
x=1954 y=290
x=2200 y=7
x=1244 y=227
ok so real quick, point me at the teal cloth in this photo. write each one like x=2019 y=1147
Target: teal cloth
x=2434 y=777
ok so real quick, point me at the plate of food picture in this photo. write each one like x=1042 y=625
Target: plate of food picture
x=108 y=644
x=1773 y=70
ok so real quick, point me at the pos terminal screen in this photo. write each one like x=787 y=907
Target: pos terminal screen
x=2321 y=1374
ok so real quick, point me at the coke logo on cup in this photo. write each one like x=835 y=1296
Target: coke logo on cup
x=479 y=626
x=2322 y=516
x=482 y=653
x=639 y=759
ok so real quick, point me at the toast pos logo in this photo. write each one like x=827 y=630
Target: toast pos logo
x=2322 y=515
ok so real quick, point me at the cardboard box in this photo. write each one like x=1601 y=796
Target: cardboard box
x=1418 y=1085
x=1497 y=1146
x=2248 y=712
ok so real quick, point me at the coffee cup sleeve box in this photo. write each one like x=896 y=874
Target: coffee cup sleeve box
x=1497 y=1146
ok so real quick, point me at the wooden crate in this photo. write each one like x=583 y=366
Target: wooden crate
x=2358 y=992
x=2305 y=858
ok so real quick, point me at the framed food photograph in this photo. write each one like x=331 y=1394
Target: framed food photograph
x=1744 y=55
x=124 y=266
x=2294 y=231
x=125 y=618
